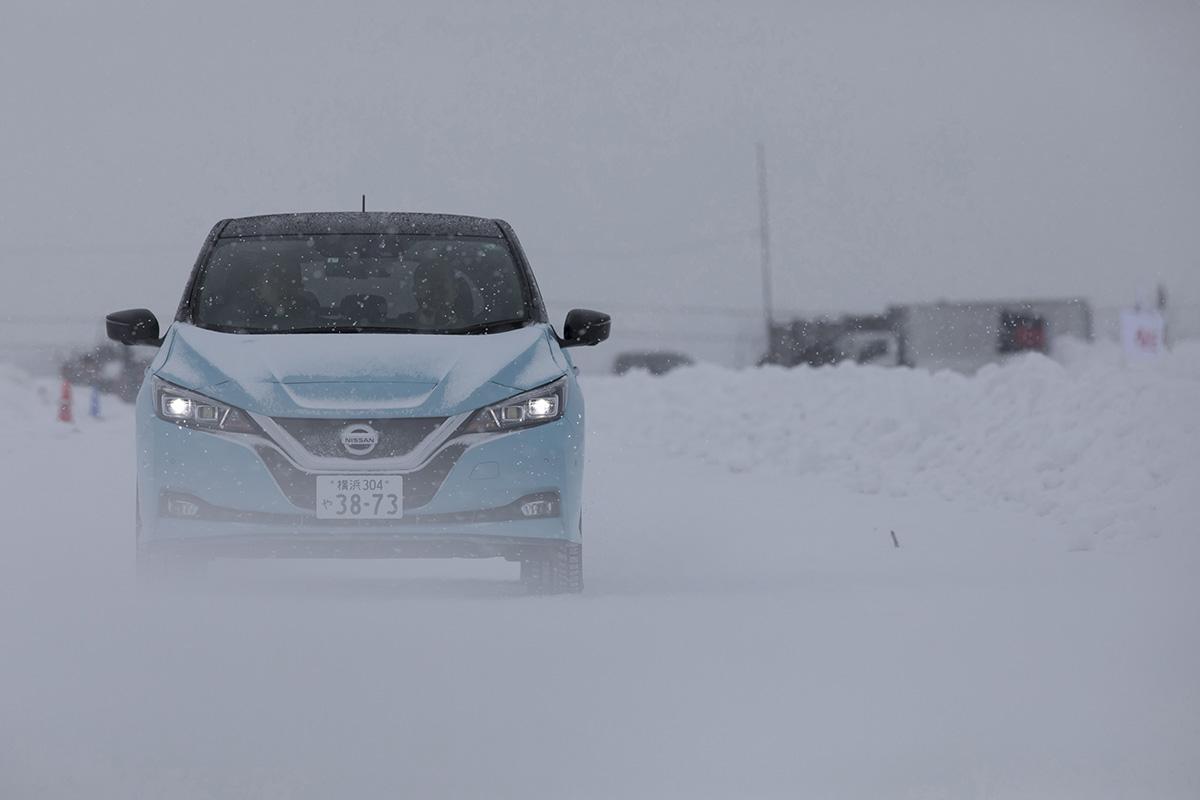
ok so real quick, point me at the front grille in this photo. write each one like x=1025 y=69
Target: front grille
x=323 y=437
x=419 y=486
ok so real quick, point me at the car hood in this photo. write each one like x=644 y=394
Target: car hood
x=359 y=374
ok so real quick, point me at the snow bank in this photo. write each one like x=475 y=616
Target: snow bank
x=1093 y=444
x=1098 y=446
x=17 y=391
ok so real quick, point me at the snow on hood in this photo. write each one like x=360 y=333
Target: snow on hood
x=326 y=374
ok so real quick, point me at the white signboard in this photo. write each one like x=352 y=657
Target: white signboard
x=1142 y=332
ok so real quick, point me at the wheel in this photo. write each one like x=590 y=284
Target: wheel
x=158 y=570
x=556 y=570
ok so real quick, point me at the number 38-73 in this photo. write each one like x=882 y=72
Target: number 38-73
x=355 y=505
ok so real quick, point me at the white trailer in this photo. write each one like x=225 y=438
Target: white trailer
x=966 y=336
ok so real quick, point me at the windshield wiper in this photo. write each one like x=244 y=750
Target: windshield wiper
x=481 y=327
x=492 y=327
x=347 y=329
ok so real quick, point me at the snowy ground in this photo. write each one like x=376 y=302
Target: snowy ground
x=749 y=629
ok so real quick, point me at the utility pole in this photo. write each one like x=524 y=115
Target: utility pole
x=764 y=231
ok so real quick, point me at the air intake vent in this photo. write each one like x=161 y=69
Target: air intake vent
x=352 y=438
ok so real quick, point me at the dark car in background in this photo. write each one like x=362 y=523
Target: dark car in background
x=656 y=362
x=110 y=368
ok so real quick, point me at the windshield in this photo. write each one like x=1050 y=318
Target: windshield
x=360 y=283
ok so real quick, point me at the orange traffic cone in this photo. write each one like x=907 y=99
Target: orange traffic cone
x=64 y=403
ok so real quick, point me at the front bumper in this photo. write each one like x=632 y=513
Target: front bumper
x=240 y=495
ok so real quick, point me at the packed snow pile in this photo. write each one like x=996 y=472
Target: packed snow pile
x=17 y=391
x=1102 y=447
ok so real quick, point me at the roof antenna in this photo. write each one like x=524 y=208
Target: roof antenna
x=364 y=204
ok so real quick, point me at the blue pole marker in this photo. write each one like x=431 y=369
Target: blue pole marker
x=94 y=406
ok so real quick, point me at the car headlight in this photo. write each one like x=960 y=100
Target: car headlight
x=192 y=410
x=537 y=407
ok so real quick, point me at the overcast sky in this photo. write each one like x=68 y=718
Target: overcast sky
x=917 y=150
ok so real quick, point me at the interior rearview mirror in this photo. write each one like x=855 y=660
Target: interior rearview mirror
x=133 y=326
x=585 y=328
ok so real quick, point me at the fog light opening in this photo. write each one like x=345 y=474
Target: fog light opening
x=539 y=508
x=182 y=508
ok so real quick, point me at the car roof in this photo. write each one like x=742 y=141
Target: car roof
x=360 y=222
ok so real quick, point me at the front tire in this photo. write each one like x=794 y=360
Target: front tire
x=156 y=570
x=556 y=570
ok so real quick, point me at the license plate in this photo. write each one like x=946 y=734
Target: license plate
x=359 y=497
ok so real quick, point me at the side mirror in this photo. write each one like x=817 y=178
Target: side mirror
x=133 y=326
x=585 y=328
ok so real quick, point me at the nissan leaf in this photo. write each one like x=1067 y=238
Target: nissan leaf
x=362 y=385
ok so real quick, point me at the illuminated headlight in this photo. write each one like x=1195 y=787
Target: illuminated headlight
x=542 y=408
x=177 y=407
x=523 y=411
x=189 y=409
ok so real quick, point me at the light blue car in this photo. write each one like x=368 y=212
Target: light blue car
x=362 y=385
